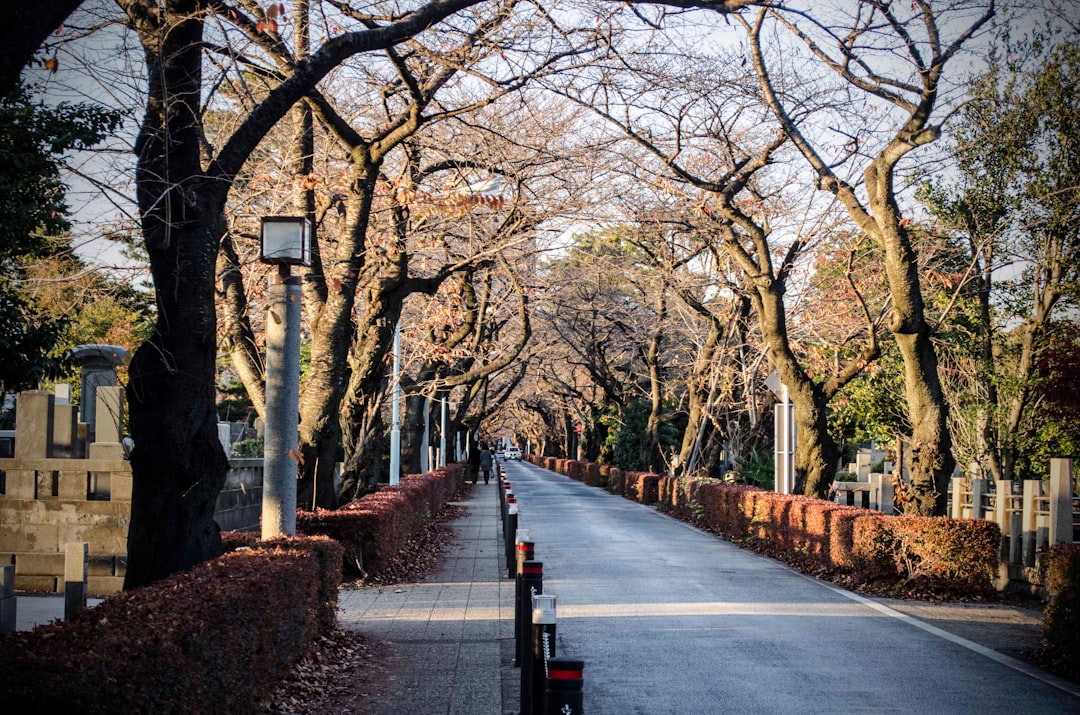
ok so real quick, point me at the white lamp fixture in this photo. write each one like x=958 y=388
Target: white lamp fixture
x=286 y=240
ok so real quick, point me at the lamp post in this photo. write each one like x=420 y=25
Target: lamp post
x=442 y=430
x=286 y=242
x=395 y=411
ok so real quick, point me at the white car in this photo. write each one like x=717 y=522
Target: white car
x=513 y=453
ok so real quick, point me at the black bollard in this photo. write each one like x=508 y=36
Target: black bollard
x=563 y=694
x=510 y=537
x=543 y=647
x=510 y=499
x=529 y=583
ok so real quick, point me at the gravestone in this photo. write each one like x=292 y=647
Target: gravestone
x=98 y=365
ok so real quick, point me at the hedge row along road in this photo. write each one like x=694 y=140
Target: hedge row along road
x=670 y=619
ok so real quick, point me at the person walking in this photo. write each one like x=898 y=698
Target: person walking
x=474 y=460
x=486 y=461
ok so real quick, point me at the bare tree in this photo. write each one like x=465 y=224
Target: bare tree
x=894 y=58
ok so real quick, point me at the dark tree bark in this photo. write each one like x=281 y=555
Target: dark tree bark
x=177 y=463
x=25 y=25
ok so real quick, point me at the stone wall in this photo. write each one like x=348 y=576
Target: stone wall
x=47 y=500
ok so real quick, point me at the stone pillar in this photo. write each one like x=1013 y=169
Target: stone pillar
x=888 y=497
x=1032 y=491
x=65 y=442
x=979 y=489
x=110 y=424
x=1061 y=501
x=76 y=568
x=224 y=435
x=862 y=467
x=957 y=489
x=33 y=424
x=98 y=365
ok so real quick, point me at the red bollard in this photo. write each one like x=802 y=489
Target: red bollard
x=563 y=694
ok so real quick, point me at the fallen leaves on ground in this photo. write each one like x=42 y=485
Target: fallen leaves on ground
x=344 y=670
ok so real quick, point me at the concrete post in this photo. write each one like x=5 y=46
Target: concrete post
x=65 y=424
x=7 y=598
x=395 y=411
x=109 y=414
x=1032 y=487
x=76 y=570
x=957 y=489
x=282 y=406
x=888 y=496
x=1061 y=501
x=979 y=489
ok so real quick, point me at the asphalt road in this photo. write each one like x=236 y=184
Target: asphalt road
x=670 y=619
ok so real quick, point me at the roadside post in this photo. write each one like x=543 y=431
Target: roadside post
x=530 y=582
x=563 y=694
x=543 y=647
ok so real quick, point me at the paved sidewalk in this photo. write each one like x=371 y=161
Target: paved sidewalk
x=451 y=636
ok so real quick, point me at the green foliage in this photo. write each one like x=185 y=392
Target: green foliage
x=33 y=218
x=248 y=448
x=873 y=406
x=757 y=468
x=624 y=434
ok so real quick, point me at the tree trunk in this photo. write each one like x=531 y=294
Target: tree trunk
x=932 y=461
x=333 y=331
x=412 y=429
x=698 y=394
x=177 y=463
x=362 y=423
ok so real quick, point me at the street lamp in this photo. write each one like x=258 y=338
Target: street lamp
x=395 y=412
x=286 y=242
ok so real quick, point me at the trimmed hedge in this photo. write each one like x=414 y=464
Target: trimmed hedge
x=374 y=528
x=819 y=536
x=217 y=638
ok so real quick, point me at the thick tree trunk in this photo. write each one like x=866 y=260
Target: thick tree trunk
x=362 y=423
x=817 y=454
x=177 y=463
x=412 y=433
x=333 y=330
x=932 y=461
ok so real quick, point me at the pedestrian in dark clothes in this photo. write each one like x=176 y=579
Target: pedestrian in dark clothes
x=486 y=461
x=474 y=461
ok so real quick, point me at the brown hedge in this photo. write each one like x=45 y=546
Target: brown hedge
x=1062 y=616
x=950 y=555
x=217 y=638
x=374 y=528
